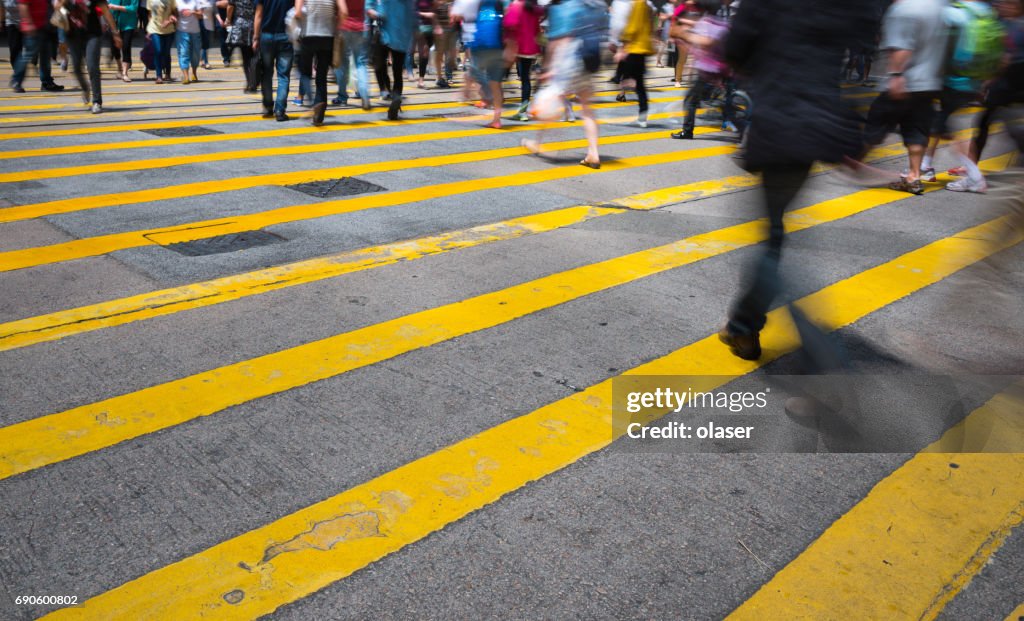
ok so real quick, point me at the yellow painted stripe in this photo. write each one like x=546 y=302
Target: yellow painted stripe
x=1017 y=614
x=918 y=538
x=255 y=573
x=57 y=325
x=105 y=129
x=221 y=156
x=60 y=324
x=103 y=244
x=50 y=439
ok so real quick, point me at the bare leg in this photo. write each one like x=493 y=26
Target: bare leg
x=590 y=127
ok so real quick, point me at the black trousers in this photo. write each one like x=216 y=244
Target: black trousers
x=380 y=67
x=634 y=67
x=523 y=66
x=320 y=50
x=780 y=185
x=14 y=43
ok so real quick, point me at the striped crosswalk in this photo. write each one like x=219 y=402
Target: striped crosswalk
x=473 y=247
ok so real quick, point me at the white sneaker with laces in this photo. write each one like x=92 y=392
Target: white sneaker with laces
x=927 y=174
x=966 y=185
x=96 y=108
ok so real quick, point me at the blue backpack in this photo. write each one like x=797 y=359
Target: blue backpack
x=488 y=27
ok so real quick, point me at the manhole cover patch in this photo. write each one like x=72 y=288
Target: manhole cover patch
x=179 y=132
x=226 y=243
x=343 y=186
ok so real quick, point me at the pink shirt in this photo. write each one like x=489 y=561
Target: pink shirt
x=524 y=26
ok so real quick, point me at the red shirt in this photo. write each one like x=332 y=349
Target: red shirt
x=39 y=11
x=356 y=20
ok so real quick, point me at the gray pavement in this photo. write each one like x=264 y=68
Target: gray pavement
x=613 y=535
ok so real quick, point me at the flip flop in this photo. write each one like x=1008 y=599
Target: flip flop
x=594 y=165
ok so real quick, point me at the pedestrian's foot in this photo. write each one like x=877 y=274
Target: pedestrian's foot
x=125 y=78
x=338 y=101
x=185 y=79
x=157 y=81
x=683 y=134
x=959 y=171
x=227 y=62
x=281 y=116
x=442 y=83
x=530 y=145
x=394 y=108
x=745 y=346
x=679 y=85
x=195 y=77
x=385 y=96
x=18 y=88
x=905 y=185
x=641 y=121
x=620 y=97
x=494 y=125
x=207 y=66
x=366 y=103
x=590 y=164
x=97 y=108
x=53 y=88
x=268 y=112
x=927 y=174
x=419 y=83
x=521 y=116
x=966 y=185
x=318 y=113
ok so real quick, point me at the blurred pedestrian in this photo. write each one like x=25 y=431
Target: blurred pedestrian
x=522 y=29
x=35 y=31
x=163 y=18
x=320 y=20
x=576 y=32
x=632 y=45
x=125 y=15
x=270 y=37
x=85 y=40
x=792 y=60
x=189 y=39
x=240 y=16
x=396 y=19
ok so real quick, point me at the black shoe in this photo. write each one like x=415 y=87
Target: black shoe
x=18 y=88
x=745 y=346
x=683 y=134
x=394 y=108
x=53 y=88
x=268 y=112
x=318 y=113
x=620 y=97
x=442 y=83
x=281 y=116
x=385 y=96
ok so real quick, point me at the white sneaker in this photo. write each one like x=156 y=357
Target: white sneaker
x=927 y=174
x=966 y=185
x=96 y=108
x=641 y=121
x=679 y=85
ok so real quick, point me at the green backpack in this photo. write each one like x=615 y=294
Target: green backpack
x=979 y=46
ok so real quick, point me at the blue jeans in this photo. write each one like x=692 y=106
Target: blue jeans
x=189 y=50
x=277 y=53
x=37 y=43
x=162 y=44
x=355 y=51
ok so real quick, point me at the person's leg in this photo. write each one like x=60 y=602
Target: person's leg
x=195 y=53
x=126 y=49
x=681 y=54
x=29 y=47
x=380 y=69
x=639 y=69
x=268 y=57
x=285 y=57
x=590 y=127
x=92 y=55
x=523 y=66
x=115 y=54
x=158 y=56
x=397 y=64
x=323 y=65
x=250 y=79
x=692 y=101
x=76 y=47
x=355 y=44
x=423 y=51
x=14 y=44
x=343 y=70
x=204 y=39
x=184 y=48
x=45 y=51
x=780 y=185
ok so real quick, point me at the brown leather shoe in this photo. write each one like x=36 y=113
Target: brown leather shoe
x=745 y=346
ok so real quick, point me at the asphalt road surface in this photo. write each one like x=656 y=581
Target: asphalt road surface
x=370 y=371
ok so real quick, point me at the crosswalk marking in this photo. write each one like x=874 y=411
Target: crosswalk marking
x=252 y=118
x=255 y=573
x=53 y=326
x=221 y=156
x=56 y=437
x=948 y=512
x=104 y=244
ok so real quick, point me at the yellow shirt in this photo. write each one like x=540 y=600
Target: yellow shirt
x=637 y=36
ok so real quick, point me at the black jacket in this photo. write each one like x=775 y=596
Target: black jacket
x=789 y=55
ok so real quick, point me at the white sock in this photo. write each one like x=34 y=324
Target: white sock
x=973 y=172
x=926 y=163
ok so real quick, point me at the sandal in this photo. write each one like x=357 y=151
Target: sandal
x=494 y=125
x=589 y=164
